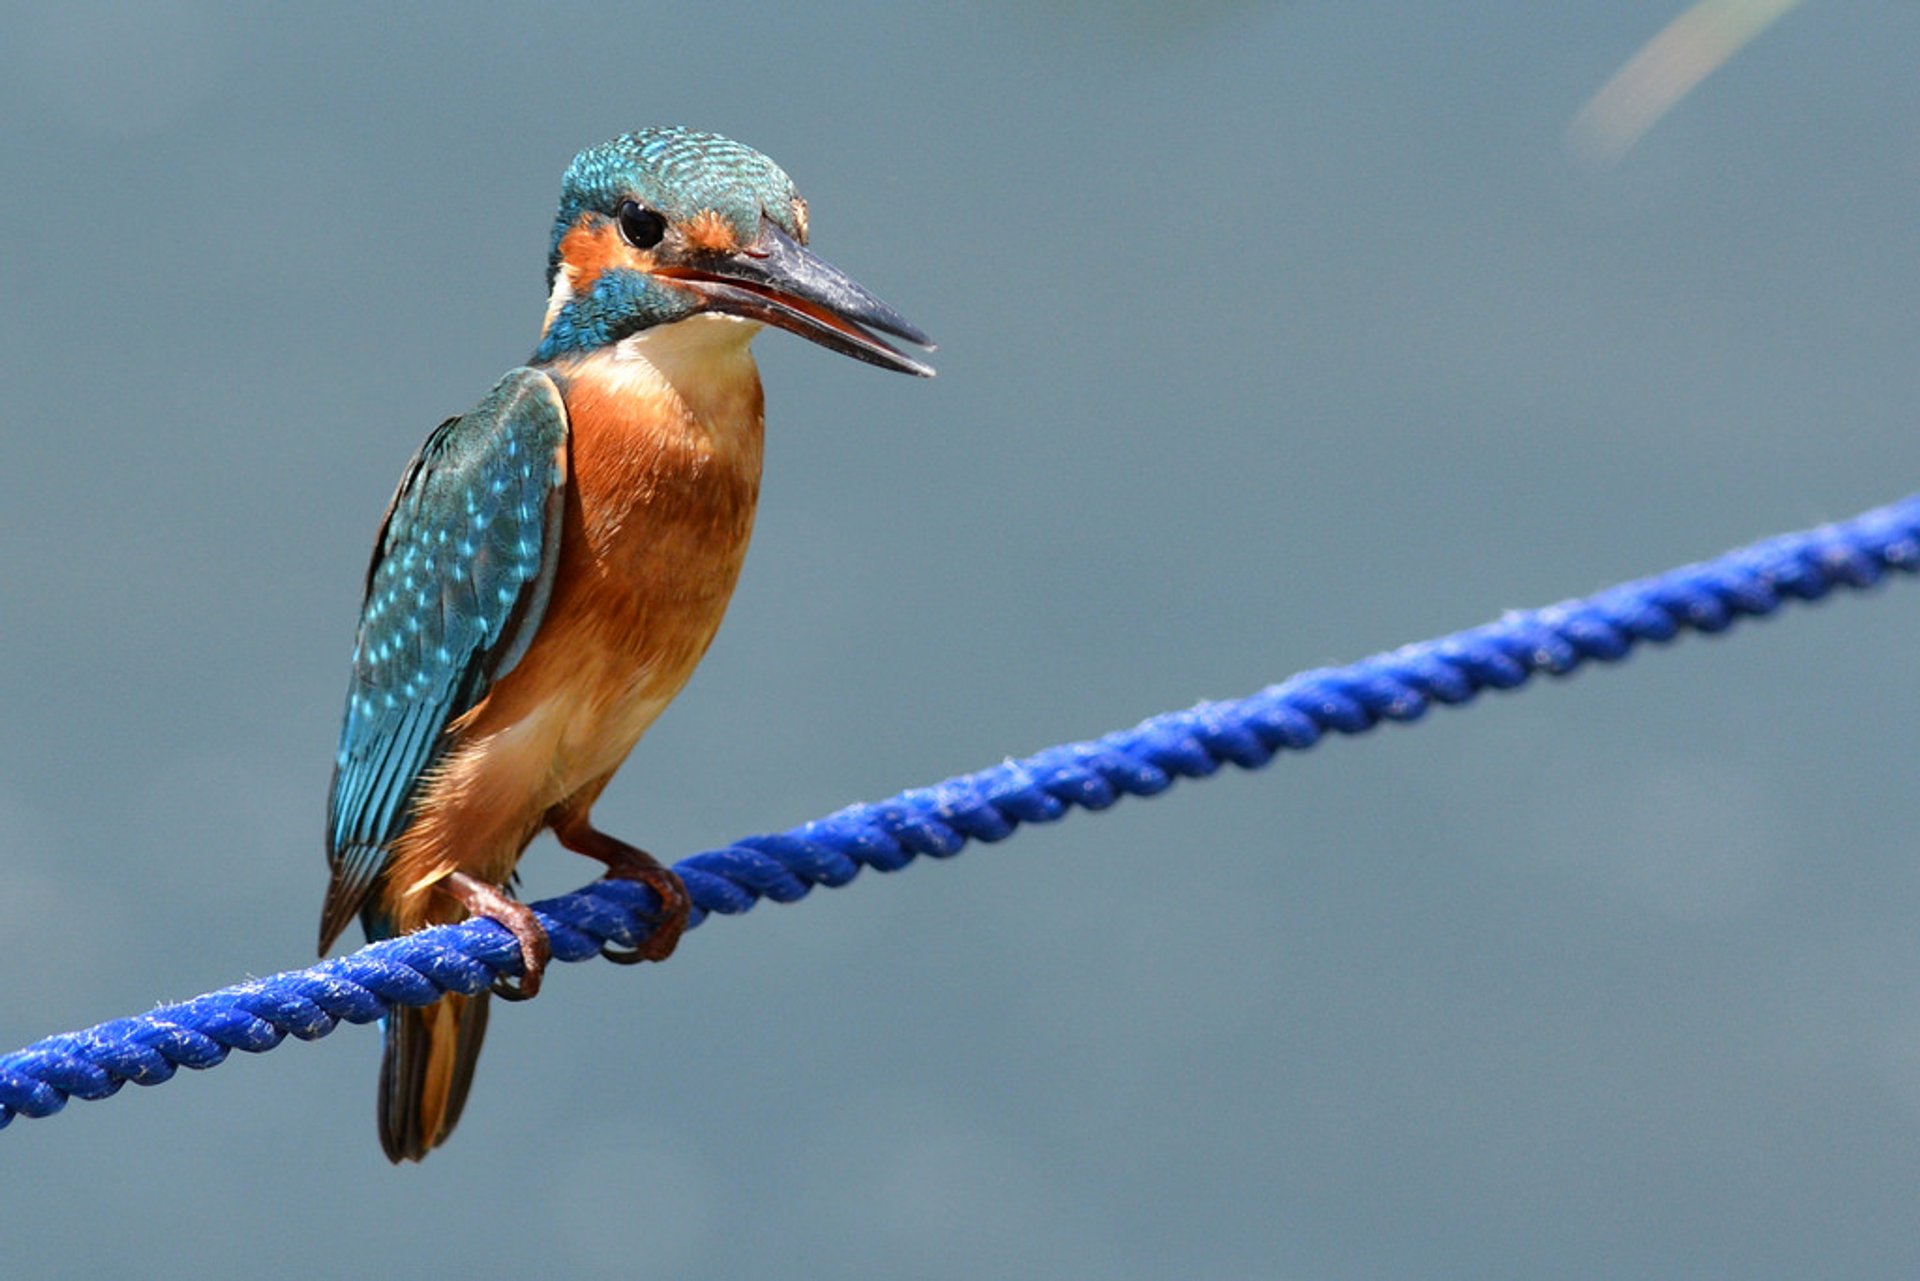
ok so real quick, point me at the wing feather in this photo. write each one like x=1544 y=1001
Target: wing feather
x=456 y=590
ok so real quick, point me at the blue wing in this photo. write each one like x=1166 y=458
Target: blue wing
x=456 y=590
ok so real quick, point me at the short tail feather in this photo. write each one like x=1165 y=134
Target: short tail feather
x=426 y=1071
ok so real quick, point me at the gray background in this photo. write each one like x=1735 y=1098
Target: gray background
x=1271 y=336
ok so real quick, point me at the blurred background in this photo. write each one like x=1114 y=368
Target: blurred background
x=1271 y=336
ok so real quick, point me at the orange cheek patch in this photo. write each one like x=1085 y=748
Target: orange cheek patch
x=710 y=233
x=595 y=246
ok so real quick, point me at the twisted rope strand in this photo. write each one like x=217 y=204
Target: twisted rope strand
x=988 y=805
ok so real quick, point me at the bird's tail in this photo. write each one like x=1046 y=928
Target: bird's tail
x=425 y=1072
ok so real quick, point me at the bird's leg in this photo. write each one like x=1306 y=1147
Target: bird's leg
x=629 y=863
x=494 y=903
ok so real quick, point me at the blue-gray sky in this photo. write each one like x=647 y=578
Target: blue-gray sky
x=1271 y=337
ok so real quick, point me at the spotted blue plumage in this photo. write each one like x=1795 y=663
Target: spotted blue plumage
x=457 y=588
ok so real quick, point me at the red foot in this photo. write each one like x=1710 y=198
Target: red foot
x=494 y=903
x=629 y=863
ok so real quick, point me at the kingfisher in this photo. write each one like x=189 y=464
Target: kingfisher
x=555 y=563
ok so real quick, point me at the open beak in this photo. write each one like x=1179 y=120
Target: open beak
x=776 y=281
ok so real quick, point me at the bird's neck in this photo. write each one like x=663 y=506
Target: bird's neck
x=694 y=375
x=668 y=421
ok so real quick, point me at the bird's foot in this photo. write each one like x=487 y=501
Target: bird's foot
x=494 y=903
x=630 y=863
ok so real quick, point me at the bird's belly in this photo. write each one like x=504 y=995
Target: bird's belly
x=593 y=721
x=606 y=663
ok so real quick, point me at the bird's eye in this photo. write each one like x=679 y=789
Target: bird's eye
x=641 y=227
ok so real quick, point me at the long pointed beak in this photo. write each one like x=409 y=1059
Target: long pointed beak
x=776 y=281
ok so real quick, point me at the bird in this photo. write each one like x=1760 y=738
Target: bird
x=555 y=563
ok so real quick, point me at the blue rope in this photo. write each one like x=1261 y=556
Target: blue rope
x=987 y=806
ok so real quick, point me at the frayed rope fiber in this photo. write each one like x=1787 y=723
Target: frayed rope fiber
x=987 y=806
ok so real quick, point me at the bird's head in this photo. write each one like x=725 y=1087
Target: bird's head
x=664 y=225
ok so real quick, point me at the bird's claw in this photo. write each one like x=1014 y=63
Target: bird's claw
x=630 y=863
x=517 y=919
x=535 y=952
x=508 y=990
x=669 y=923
